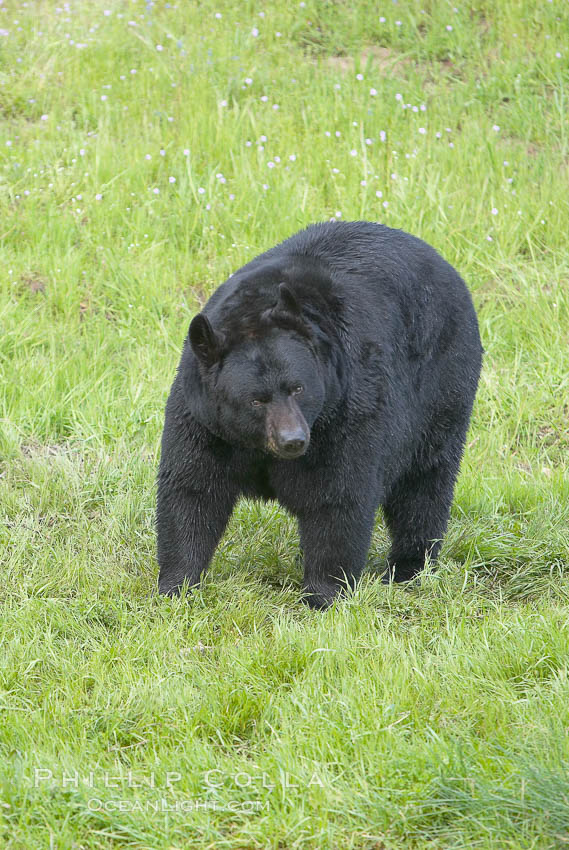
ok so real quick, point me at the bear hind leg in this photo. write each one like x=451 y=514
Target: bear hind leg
x=417 y=511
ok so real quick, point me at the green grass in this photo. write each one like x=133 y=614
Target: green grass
x=433 y=716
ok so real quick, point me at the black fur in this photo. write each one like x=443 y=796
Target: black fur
x=335 y=373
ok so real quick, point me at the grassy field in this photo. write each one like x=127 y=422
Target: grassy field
x=146 y=151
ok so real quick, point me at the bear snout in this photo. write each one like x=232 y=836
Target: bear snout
x=291 y=443
x=288 y=434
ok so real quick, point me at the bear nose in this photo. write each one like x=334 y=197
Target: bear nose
x=292 y=443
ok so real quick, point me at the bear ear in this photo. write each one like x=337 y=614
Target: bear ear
x=287 y=302
x=205 y=341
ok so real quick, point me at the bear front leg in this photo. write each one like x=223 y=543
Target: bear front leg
x=195 y=498
x=189 y=526
x=335 y=541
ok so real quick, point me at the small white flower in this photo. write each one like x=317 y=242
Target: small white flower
x=98 y=197
x=292 y=157
x=262 y=138
x=368 y=142
x=248 y=81
x=159 y=48
x=363 y=182
x=223 y=103
x=270 y=164
x=171 y=179
x=201 y=191
x=382 y=135
x=373 y=92
x=494 y=211
x=422 y=131
x=359 y=76
x=338 y=214
x=186 y=151
x=156 y=190
x=254 y=32
x=379 y=194
x=44 y=117
x=397 y=23
x=382 y=20
x=264 y=98
x=398 y=96
x=496 y=128
x=162 y=152
x=353 y=152
x=218 y=15
x=449 y=27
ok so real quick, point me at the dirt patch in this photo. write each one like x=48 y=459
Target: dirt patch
x=550 y=436
x=379 y=58
x=39 y=450
x=32 y=282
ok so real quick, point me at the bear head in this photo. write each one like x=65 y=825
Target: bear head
x=261 y=385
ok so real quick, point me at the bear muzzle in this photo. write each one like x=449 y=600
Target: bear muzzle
x=288 y=434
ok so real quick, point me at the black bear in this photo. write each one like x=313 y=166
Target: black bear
x=335 y=372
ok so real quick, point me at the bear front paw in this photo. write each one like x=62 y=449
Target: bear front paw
x=404 y=569
x=168 y=586
x=320 y=596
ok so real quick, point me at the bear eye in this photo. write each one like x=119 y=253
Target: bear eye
x=297 y=390
x=256 y=402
